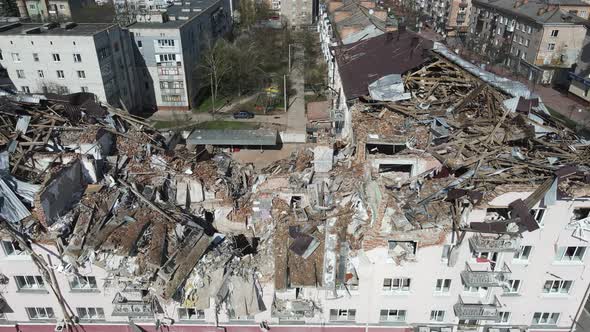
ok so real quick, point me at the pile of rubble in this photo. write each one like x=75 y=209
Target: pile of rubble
x=179 y=225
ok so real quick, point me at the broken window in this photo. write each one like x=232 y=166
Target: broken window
x=190 y=314
x=523 y=253
x=402 y=169
x=512 y=287
x=581 y=213
x=12 y=248
x=443 y=285
x=538 y=215
x=397 y=284
x=497 y=214
x=90 y=313
x=474 y=289
x=446 y=252
x=83 y=283
x=570 y=254
x=392 y=315
x=296 y=202
x=385 y=148
x=342 y=314
x=437 y=315
x=557 y=286
x=29 y=282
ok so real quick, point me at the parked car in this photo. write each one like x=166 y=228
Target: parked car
x=243 y=115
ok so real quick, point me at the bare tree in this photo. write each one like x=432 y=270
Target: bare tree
x=216 y=63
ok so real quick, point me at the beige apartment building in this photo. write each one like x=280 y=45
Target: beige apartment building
x=446 y=17
x=538 y=40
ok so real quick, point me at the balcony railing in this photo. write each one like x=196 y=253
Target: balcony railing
x=476 y=311
x=485 y=278
x=493 y=244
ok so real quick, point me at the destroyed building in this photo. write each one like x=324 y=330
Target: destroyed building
x=455 y=203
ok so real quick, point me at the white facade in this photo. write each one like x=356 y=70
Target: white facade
x=169 y=50
x=92 y=58
x=543 y=286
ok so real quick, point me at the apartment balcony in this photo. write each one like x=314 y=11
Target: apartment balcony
x=485 y=278
x=476 y=311
x=493 y=244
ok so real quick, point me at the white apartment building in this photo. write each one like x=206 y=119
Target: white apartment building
x=169 y=45
x=479 y=282
x=70 y=58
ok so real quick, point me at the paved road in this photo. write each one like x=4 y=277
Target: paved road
x=296 y=117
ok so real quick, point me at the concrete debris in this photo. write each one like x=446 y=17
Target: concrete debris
x=170 y=224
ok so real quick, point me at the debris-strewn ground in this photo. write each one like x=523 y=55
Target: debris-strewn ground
x=175 y=224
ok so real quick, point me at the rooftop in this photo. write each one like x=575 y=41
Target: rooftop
x=366 y=61
x=76 y=29
x=233 y=137
x=178 y=14
x=539 y=11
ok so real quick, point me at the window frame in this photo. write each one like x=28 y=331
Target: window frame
x=512 y=290
x=561 y=285
x=550 y=46
x=437 y=315
x=199 y=313
x=562 y=251
x=56 y=57
x=76 y=280
x=77 y=57
x=81 y=74
x=443 y=286
x=554 y=33
x=547 y=321
x=14 y=251
x=99 y=313
x=49 y=313
x=392 y=315
x=400 y=281
x=342 y=315
x=518 y=255
x=30 y=282
x=60 y=74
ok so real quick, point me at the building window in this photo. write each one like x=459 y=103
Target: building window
x=342 y=314
x=523 y=253
x=529 y=29
x=190 y=314
x=545 y=318
x=90 y=313
x=437 y=315
x=103 y=53
x=20 y=73
x=77 y=57
x=396 y=284
x=166 y=42
x=566 y=254
x=538 y=214
x=171 y=98
x=504 y=317
x=81 y=74
x=12 y=248
x=512 y=287
x=36 y=57
x=56 y=57
x=474 y=289
x=554 y=33
x=389 y=315
x=83 y=283
x=32 y=6
x=1 y=56
x=443 y=285
x=60 y=74
x=84 y=89
x=527 y=43
x=40 y=312
x=29 y=282
x=446 y=250
x=557 y=286
x=62 y=7
x=40 y=74
x=550 y=46
x=15 y=57
x=25 y=89
x=167 y=57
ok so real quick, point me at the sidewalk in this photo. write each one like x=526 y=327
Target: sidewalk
x=296 y=117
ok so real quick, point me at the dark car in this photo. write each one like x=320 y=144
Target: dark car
x=243 y=115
